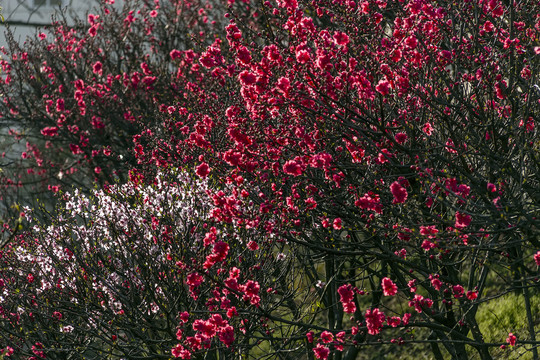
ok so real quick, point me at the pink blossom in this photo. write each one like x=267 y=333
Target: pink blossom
x=179 y=352
x=436 y=283
x=428 y=129
x=405 y=319
x=288 y=4
x=420 y=303
x=226 y=335
x=252 y=245
x=283 y=84
x=321 y=161
x=428 y=230
x=49 y=131
x=337 y=224
x=511 y=339
x=175 y=54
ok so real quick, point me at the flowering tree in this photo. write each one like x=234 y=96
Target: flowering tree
x=372 y=174
x=127 y=273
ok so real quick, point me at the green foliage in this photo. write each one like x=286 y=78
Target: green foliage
x=507 y=314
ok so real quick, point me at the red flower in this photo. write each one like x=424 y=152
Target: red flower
x=428 y=129
x=346 y=294
x=458 y=291
x=49 y=131
x=374 y=321
x=341 y=38
x=393 y=321
x=389 y=288
x=511 y=339
x=383 y=87
x=203 y=170
x=537 y=258
x=411 y=42
x=226 y=335
x=98 y=68
x=327 y=337
x=321 y=352
x=175 y=54
x=420 y=303
x=401 y=137
x=247 y=78
x=179 y=352
x=436 y=283
x=399 y=192
x=292 y=167
x=462 y=220
x=302 y=56
x=252 y=245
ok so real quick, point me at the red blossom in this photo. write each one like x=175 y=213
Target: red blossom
x=346 y=294
x=401 y=138
x=327 y=337
x=321 y=351
x=247 y=78
x=511 y=339
x=458 y=291
x=180 y=352
x=374 y=321
x=462 y=220
x=383 y=87
x=388 y=286
x=537 y=258
x=341 y=38
x=292 y=167
x=393 y=321
x=435 y=282
x=226 y=335
x=399 y=192
x=97 y=68
x=49 y=131
x=202 y=170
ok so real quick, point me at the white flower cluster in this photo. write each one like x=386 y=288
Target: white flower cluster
x=112 y=234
